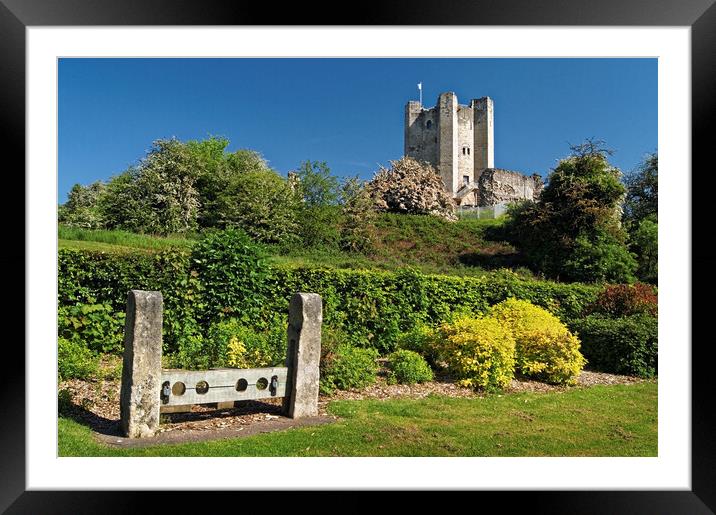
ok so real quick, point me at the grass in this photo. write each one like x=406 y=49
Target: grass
x=598 y=421
x=118 y=241
x=430 y=244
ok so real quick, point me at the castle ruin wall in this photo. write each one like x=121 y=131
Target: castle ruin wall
x=499 y=186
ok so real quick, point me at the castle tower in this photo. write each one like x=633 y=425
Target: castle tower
x=457 y=140
x=484 y=133
x=447 y=161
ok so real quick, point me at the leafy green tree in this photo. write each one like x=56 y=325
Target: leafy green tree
x=82 y=208
x=359 y=216
x=238 y=189
x=180 y=187
x=158 y=196
x=642 y=199
x=641 y=216
x=573 y=231
x=260 y=202
x=121 y=206
x=318 y=211
x=318 y=187
x=645 y=244
x=209 y=156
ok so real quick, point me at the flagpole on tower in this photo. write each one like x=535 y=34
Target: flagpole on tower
x=420 y=89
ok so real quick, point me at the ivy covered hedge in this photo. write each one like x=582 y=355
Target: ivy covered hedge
x=372 y=307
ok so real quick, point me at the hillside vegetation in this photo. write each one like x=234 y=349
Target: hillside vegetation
x=431 y=244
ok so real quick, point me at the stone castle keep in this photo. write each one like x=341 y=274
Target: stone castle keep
x=459 y=142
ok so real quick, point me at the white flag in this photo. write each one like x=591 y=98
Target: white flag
x=420 y=85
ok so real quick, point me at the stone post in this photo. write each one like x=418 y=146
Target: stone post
x=305 y=315
x=141 y=371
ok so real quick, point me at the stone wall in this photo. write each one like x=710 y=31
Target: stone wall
x=498 y=186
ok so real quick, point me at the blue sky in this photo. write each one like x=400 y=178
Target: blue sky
x=347 y=112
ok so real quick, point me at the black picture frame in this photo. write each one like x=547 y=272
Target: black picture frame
x=699 y=15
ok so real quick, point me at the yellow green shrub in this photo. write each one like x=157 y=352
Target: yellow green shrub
x=479 y=351
x=544 y=347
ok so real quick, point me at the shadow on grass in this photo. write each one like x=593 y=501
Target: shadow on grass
x=111 y=427
x=90 y=419
x=492 y=261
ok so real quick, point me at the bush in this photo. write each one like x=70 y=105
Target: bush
x=348 y=367
x=247 y=348
x=372 y=308
x=158 y=196
x=233 y=273
x=196 y=352
x=331 y=339
x=626 y=345
x=419 y=340
x=598 y=259
x=544 y=347
x=75 y=360
x=82 y=206
x=479 y=351
x=230 y=342
x=408 y=367
x=96 y=326
x=259 y=201
x=619 y=300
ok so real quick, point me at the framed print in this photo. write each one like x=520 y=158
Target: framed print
x=181 y=45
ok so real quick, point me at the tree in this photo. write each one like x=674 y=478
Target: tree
x=645 y=244
x=82 y=208
x=158 y=196
x=318 y=187
x=413 y=187
x=318 y=210
x=359 y=215
x=260 y=202
x=641 y=211
x=573 y=231
x=642 y=199
x=183 y=186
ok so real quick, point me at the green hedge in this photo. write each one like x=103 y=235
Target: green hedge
x=372 y=307
x=626 y=345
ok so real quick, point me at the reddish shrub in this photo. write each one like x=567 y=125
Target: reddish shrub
x=620 y=300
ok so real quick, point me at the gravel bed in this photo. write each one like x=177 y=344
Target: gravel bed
x=97 y=402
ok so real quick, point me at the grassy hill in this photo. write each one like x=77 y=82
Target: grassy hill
x=433 y=245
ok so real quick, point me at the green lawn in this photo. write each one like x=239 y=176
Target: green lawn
x=118 y=241
x=597 y=421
